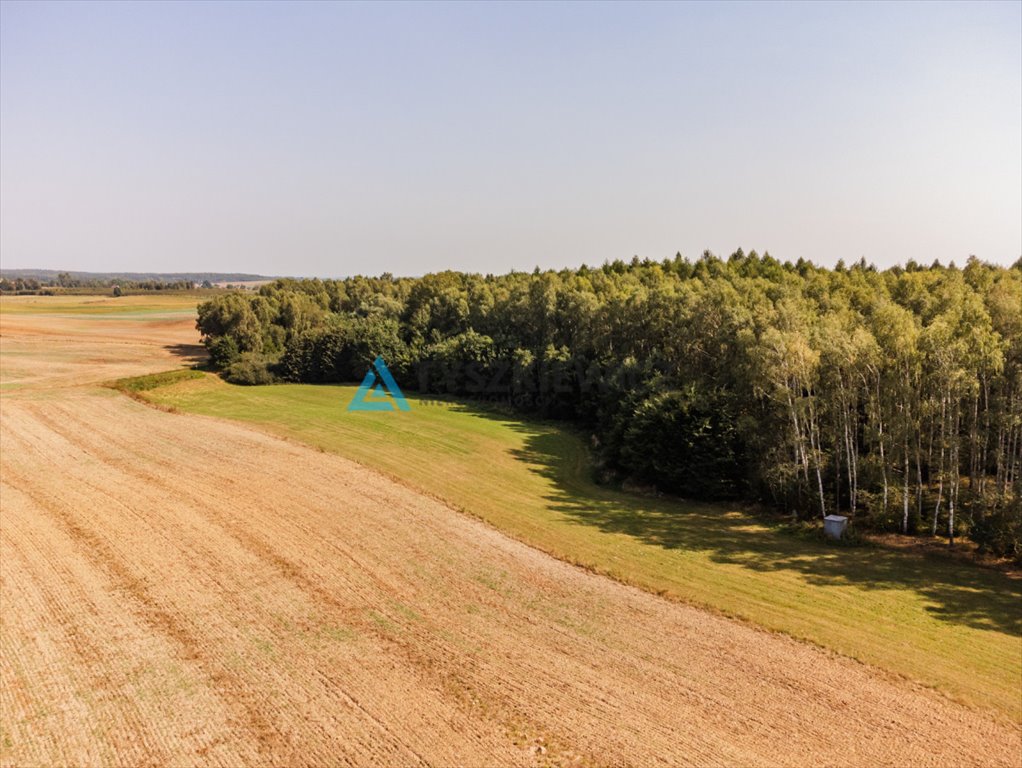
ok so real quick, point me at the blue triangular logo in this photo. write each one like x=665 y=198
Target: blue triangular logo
x=371 y=387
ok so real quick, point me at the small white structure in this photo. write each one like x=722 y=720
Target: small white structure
x=834 y=525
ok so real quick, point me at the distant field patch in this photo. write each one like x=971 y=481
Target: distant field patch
x=100 y=305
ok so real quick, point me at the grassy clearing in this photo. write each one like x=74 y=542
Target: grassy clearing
x=154 y=380
x=136 y=387
x=950 y=625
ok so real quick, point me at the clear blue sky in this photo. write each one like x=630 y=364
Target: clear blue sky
x=330 y=139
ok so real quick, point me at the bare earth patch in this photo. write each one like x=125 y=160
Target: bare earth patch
x=178 y=590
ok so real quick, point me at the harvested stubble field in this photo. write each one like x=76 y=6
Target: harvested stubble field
x=181 y=590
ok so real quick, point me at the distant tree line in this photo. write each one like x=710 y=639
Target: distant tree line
x=64 y=282
x=894 y=396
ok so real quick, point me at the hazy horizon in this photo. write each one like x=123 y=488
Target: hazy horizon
x=248 y=275
x=333 y=139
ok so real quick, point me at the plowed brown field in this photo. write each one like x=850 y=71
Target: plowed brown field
x=178 y=590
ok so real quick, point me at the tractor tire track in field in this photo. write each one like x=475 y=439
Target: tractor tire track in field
x=180 y=590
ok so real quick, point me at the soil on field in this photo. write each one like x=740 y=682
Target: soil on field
x=180 y=590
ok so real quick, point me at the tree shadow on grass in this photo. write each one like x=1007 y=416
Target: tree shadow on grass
x=192 y=354
x=957 y=593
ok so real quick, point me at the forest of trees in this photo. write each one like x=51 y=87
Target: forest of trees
x=892 y=396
